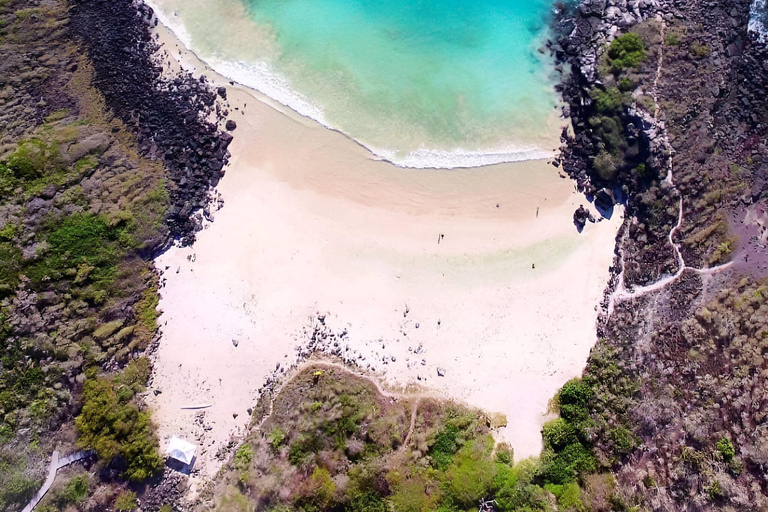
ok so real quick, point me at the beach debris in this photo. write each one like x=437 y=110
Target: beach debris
x=230 y=125
x=235 y=343
x=417 y=325
x=440 y=237
x=440 y=372
x=199 y=406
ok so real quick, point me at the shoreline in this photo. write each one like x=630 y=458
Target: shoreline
x=503 y=304
x=273 y=86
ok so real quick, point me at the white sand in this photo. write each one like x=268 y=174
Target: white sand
x=311 y=223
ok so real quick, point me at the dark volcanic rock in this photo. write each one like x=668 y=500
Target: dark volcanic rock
x=168 y=116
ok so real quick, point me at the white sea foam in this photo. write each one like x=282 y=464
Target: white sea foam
x=758 y=19
x=259 y=76
x=173 y=22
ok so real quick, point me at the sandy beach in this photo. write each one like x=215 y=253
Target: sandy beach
x=479 y=273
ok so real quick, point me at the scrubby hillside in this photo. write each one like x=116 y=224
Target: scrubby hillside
x=87 y=197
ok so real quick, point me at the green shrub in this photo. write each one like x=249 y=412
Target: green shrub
x=82 y=239
x=16 y=488
x=369 y=501
x=29 y=160
x=565 y=465
x=606 y=165
x=574 y=398
x=627 y=51
x=10 y=268
x=625 y=84
x=411 y=496
x=505 y=454
x=699 y=50
x=302 y=449
x=515 y=488
x=672 y=40
x=726 y=449
x=623 y=440
x=276 y=438
x=568 y=495
x=115 y=428
x=714 y=491
x=317 y=493
x=126 y=501
x=609 y=101
x=559 y=433
x=243 y=457
x=76 y=490
x=471 y=475
x=444 y=446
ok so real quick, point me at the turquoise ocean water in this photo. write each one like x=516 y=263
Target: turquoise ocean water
x=421 y=82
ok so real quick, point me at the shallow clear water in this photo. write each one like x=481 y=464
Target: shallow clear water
x=421 y=82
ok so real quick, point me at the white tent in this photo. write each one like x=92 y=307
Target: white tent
x=181 y=450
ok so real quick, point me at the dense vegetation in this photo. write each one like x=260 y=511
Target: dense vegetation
x=80 y=213
x=112 y=425
x=332 y=442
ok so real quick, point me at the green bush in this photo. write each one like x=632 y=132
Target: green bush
x=126 y=501
x=472 y=473
x=516 y=490
x=559 y=433
x=565 y=465
x=411 y=496
x=623 y=440
x=606 y=165
x=627 y=51
x=16 y=488
x=76 y=490
x=672 y=40
x=10 y=268
x=625 y=84
x=568 y=495
x=302 y=449
x=699 y=50
x=726 y=449
x=444 y=446
x=609 y=101
x=574 y=398
x=243 y=457
x=114 y=427
x=276 y=438
x=29 y=160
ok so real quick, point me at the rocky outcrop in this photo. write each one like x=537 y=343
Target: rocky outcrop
x=169 y=116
